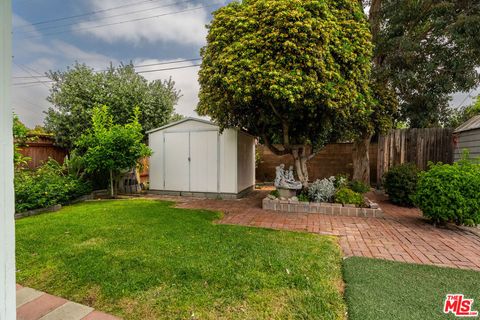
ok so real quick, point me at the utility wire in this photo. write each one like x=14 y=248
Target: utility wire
x=122 y=22
x=31 y=74
x=139 y=72
x=135 y=66
x=107 y=17
x=84 y=14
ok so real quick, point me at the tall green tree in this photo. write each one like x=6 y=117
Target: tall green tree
x=425 y=50
x=76 y=91
x=287 y=71
x=428 y=50
x=113 y=148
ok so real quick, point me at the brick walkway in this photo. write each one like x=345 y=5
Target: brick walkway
x=35 y=305
x=403 y=235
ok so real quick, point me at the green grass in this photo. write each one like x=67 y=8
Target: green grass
x=144 y=259
x=378 y=289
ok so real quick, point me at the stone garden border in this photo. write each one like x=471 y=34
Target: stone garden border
x=336 y=209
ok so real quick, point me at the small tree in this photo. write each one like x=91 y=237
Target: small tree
x=287 y=71
x=112 y=147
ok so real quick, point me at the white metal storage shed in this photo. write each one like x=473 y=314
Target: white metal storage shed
x=191 y=158
x=467 y=137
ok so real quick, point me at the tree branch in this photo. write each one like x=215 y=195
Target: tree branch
x=274 y=149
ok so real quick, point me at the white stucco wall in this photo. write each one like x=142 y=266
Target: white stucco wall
x=245 y=161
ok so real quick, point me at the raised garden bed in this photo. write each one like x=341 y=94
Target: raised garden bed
x=337 y=209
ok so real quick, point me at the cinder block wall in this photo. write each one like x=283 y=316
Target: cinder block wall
x=334 y=159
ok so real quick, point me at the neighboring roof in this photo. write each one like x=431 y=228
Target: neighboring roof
x=471 y=124
x=181 y=121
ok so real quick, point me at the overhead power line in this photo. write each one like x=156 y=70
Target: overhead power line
x=122 y=22
x=84 y=14
x=106 y=17
x=135 y=66
x=139 y=72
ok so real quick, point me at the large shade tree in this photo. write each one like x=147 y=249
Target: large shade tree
x=78 y=90
x=428 y=50
x=424 y=51
x=287 y=71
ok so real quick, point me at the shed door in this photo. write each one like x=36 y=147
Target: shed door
x=176 y=161
x=204 y=161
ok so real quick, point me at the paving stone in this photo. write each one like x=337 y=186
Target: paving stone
x=393 y=233
x=39 y=307
x=25 y=295
x=68 y=311
x=97 y=315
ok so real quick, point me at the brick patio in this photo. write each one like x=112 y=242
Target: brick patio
x=402 y=235
x=37 y=305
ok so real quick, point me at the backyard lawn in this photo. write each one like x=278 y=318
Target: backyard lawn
x=378 y=289
x=144 y=259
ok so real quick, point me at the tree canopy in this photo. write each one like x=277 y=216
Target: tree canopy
x=112 y=147
x=78 y=90
x=427 y=50
x=286 y=70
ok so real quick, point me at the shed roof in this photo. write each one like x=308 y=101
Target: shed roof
x=472 y=124
x=181 y=121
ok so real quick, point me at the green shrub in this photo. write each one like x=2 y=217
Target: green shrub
x=302 y=197
x=322 y=190
x=46 y=186
x=348 y=196
x=341 y=180
x=359 y=186
x=275 y=193
x=450 y=193
x=400 y=183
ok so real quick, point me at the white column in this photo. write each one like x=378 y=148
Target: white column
x=7 y=209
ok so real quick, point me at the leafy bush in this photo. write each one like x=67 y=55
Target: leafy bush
x=322 y=190
x=400 y=183
x=341 y=180
x=46 y=186
x=348 y=196
x=359 y=187
x=302 y=197
x=450 y=193
x=275 y=193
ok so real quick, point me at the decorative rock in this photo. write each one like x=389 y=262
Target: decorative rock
x=374 y=205
x=286 y=193
x=271 y=197
x=282 y=198
x=294 y=199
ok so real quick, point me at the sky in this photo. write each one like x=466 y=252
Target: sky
x=54 y=34
x=163 y=31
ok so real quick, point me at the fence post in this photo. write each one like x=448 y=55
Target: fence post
x=7 y=203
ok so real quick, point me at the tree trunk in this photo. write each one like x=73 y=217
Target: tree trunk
x=361 y=160
x=111 y=184
x=300 y=159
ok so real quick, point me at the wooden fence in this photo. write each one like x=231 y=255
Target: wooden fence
x=418 y=146
x=41 y=149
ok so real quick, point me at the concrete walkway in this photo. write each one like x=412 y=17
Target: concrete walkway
x=402 y=235
x=35 y=305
